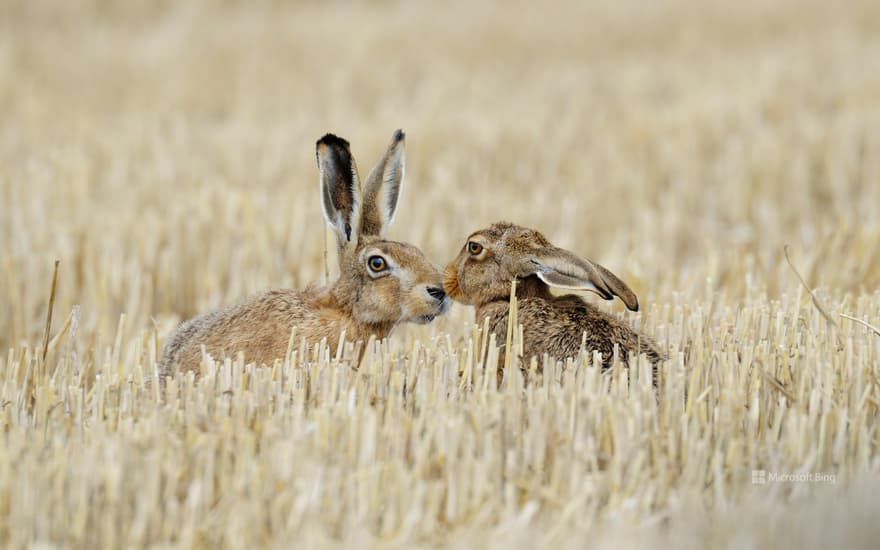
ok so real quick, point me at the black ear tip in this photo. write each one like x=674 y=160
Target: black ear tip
x=332 y=140
x=398 y=135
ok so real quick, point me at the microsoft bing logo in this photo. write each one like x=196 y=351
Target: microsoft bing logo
x=759 y=477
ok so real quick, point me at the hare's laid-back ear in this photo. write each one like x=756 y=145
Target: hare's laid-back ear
x=382 y=188
x=340 y=189
x=561 y=268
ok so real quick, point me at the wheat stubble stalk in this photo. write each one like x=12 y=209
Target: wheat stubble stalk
x=49 y=309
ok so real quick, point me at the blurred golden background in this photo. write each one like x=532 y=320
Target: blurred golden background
x=164 y=152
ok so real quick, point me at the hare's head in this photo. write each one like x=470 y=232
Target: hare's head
x=380 y=281
x=493 y=257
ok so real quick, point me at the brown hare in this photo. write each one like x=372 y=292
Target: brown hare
x=381 y=283
x=481 y=276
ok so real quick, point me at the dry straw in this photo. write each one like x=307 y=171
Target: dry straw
x=165 y=156
x=418 y=445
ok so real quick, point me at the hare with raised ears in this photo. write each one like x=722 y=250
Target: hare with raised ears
x=481 y=276
x=381 y=283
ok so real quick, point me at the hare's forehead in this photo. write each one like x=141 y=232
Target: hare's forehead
x=512 y=238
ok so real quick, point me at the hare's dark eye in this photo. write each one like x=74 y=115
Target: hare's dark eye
x=474 y=248
x=377 y=264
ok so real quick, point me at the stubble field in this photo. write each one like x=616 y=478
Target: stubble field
x=164 y=154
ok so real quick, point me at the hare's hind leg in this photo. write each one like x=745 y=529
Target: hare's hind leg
x=176 y=347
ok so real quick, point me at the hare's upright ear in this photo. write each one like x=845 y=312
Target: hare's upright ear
x=382 y=188
x=562 y=269
x=340 y=189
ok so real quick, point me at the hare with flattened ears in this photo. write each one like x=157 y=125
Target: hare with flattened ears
x=381 y=283
x=481 y=276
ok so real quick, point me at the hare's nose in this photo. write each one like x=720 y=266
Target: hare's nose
x=436 y=292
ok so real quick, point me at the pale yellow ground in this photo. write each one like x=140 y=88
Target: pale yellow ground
x=165 y=155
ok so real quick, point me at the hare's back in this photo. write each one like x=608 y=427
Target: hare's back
x=602 y=330
x=559 y=326
x=258 y=327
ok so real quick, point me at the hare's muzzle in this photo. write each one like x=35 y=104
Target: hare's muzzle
x=450 y=282
x=436 y=304
x=437 y=293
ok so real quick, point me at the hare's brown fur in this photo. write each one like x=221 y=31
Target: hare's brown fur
x=260 y=328
x=555 y=324
x=367 y=299
x=559 y=326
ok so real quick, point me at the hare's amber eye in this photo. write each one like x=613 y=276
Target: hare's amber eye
x=377 y=263
x=474 y=247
